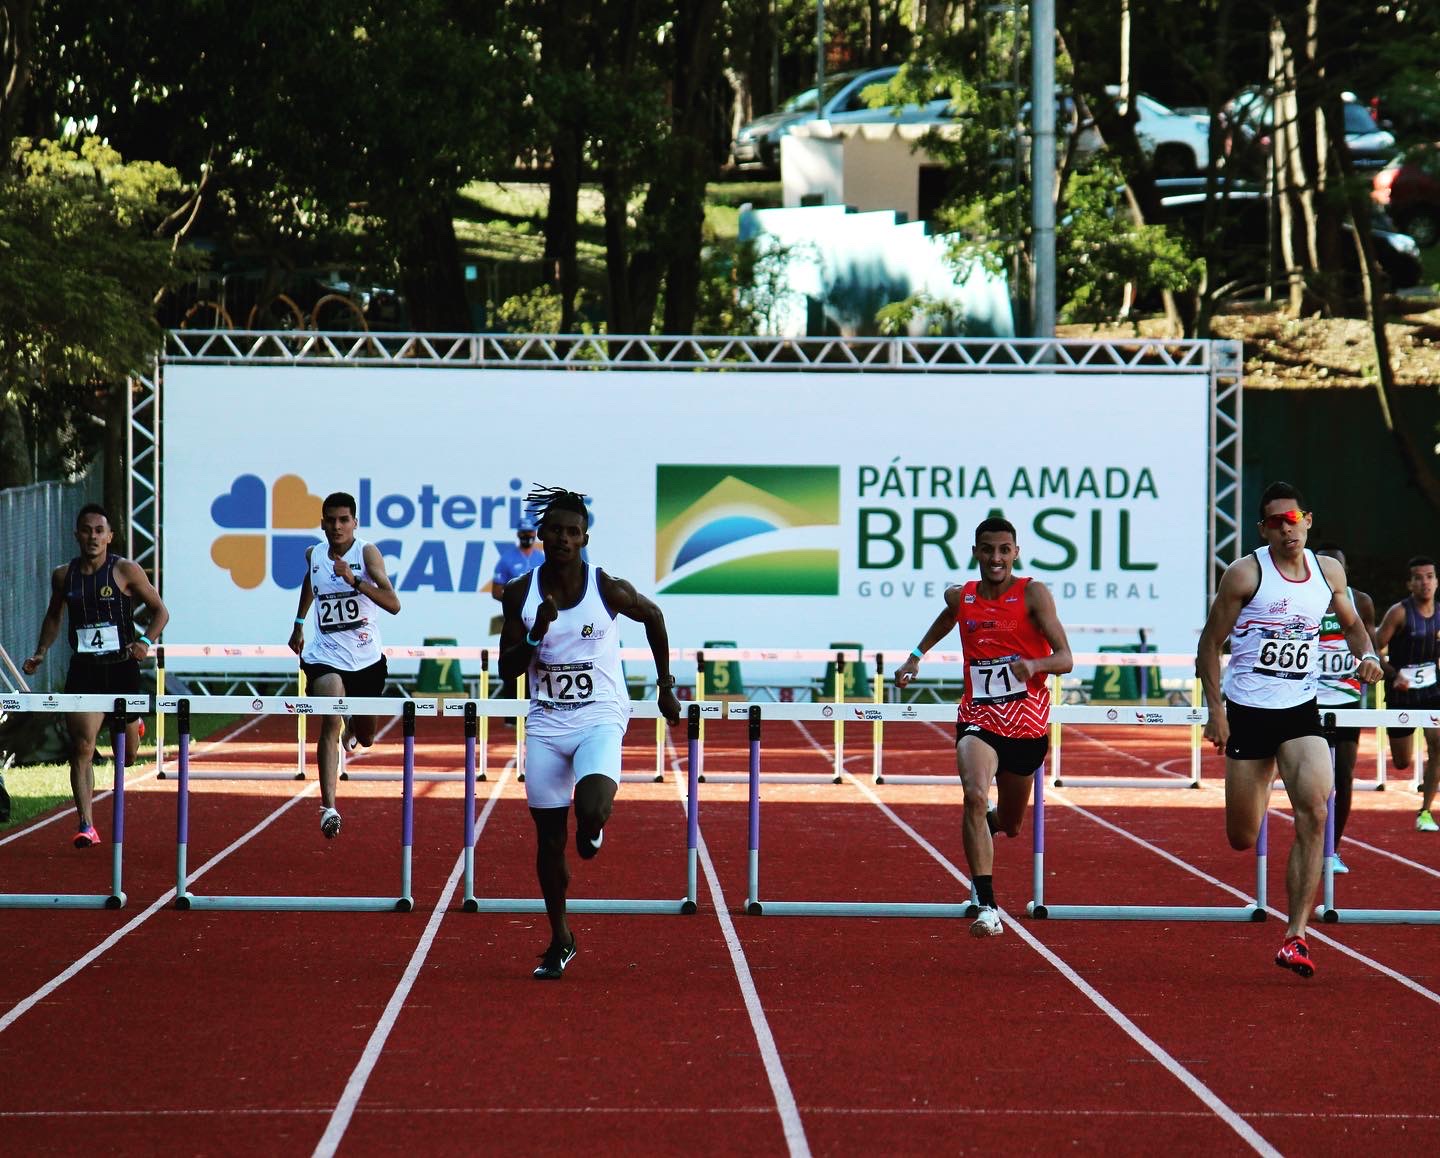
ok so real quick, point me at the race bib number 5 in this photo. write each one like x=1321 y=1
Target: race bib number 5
x=565 y=685
x=1420 y=675
x=1287 y=655
x=991 y=681
x=339 y=611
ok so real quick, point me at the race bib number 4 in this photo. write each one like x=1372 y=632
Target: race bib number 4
x=97 y=639
x=564 y=685
x=1287 y=655
x=991 y=681
x=1420 y=675
x=339 y=611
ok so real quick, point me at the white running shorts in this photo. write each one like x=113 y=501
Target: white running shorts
x=554 y=763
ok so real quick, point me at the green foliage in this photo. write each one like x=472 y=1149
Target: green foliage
x=80 y=272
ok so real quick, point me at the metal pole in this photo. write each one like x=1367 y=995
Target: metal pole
x=819 y=56
x=1042 y=168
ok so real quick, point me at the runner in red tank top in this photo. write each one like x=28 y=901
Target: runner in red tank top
x=1013 y=643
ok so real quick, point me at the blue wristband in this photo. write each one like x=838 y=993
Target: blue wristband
x=532 y=642
x=917 y=653
x=145 y=639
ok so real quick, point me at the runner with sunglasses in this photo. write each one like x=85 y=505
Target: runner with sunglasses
x=1269 y=606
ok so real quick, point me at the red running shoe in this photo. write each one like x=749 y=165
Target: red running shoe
x=86 y=837
x=1295 y=956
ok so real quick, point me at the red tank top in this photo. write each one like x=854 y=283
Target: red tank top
x=993 y=632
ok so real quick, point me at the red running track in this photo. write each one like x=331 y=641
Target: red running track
x=153 y=1030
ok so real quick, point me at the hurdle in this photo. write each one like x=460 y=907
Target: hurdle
x=755 y=714
x=118 y=707
x=1327 y=910
x=639 y=709
x=181 y=707
x=1039 y=909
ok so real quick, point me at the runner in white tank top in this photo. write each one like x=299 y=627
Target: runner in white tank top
x=1269 y=606
x=345 y=580
x=560 y=630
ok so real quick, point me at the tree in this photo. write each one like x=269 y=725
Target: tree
x=80 y=269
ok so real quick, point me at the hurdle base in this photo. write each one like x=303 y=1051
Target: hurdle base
x=584 y=905
x=297 y=904
x=62 y=900
x=855 y=909
x=1378 y=916
x=1249 y=913
x=1121 y=782
x=770 y=778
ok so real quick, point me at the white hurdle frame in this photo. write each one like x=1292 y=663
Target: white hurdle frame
x=1327 y=910
x=115 y=709
x=471 y=710
x=184 y=706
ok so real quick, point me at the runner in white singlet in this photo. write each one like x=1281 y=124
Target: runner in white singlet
x=1270 y=606
x=345 y=582
x=560 y=630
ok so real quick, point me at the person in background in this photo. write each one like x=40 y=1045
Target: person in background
x=1340 y=688
x=102 y=592
x=1408 y=638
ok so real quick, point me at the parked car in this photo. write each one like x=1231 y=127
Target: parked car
x=1408 y=188
x=1244 y=226
x=757 y=144
x=1249 y=117
x=1176 y=142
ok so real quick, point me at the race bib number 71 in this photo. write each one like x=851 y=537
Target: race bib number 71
x=991 y=681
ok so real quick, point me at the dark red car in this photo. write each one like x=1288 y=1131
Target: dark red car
x=1408 y=189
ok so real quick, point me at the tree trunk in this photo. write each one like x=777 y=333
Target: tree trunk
x=16 y=42
x=430 y=274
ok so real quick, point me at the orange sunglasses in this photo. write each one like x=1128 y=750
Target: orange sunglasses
x=1284 y=518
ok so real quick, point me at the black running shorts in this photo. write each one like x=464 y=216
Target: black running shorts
x=368 y=681
x=1257 y=733
x=1023 y=757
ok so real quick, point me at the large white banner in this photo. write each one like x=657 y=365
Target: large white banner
x=771 y=510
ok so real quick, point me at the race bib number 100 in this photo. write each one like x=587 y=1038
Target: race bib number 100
x=1287 y=656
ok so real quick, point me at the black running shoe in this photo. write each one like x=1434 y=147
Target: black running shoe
x=553 y=962
x=588 y=846
x=992 y=819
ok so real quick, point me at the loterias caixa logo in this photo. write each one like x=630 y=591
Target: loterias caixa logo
x=265 y=527
x=747 y=530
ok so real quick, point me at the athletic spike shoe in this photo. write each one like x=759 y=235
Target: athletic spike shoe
x=348 y=739
x=86 y=837
x=330 y=823
x=1295 y=956
x=987 y=924
x=1424 y=822
x=588 y=846
x=1337 y=866
x=992 y=819
x=553 y=962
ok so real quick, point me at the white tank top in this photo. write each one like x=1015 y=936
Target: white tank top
x=1275 y=645
x=1339 y=685
x=343 y=634
x=575 y=679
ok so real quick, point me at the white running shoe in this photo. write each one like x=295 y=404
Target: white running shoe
x=330 y=823
x=987 y=924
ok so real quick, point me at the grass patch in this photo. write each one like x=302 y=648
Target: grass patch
x=36 y=789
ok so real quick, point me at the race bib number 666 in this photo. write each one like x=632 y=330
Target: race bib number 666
x=1287 y=656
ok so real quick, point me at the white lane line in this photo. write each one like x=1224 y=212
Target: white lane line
x=1192 y=1083
x=26 y=1004
x=355 y=1087
x=790 y=1120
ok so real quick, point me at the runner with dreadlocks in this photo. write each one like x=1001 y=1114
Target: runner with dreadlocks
x=559 y=629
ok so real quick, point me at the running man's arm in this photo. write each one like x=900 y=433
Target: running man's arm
x=50 y=625
x=302 y=609
x=373 y=574
x=515 y=648
x=942 y=626
x=1237 y=587
x=1351 y=624
x=1394 y=620
x=1041 y=606
x=136 y=584
x=622 y=598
